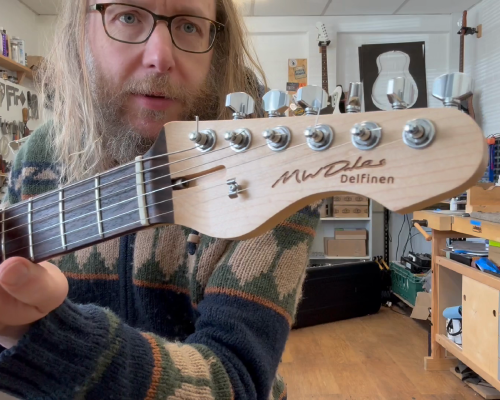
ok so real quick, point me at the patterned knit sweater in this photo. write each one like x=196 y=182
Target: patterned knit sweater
x=149 y=316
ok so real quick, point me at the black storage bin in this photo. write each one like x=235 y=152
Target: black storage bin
x=339 y=292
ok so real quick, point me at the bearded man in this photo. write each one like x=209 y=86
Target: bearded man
x=163 y=313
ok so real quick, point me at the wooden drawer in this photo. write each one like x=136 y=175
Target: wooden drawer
x=480 y=336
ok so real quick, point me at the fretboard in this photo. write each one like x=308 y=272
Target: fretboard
x=324 y=69
x=95 y=210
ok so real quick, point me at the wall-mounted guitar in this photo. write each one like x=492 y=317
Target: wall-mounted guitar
x=239 y=178
x=334 y=106
x=467 y=105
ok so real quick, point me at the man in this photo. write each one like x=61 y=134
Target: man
x=164 y=313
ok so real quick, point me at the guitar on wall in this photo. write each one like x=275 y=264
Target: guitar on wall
x=237 y=179
x=467 y=105
x=335 y=99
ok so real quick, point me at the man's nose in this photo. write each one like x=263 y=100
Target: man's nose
x=159 y=52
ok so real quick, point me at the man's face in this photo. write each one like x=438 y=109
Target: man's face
x=147 y=85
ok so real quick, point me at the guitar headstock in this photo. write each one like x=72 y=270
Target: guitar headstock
x=323 y=38
x=241 y=177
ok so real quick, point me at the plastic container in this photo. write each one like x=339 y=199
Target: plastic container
x=405 y=283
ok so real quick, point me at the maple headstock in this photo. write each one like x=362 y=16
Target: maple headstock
x=238 y=194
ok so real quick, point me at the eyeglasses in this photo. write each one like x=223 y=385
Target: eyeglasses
x=134 y=25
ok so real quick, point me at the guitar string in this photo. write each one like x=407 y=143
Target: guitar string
x=159 y=215
x=117 y=180
x=107 y=184
x=116 y=169
x=109 y=195
x=116 y=229
x=122 y=202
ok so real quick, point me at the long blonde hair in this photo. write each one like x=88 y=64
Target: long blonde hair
x=65 y=86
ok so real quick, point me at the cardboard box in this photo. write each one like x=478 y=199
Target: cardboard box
x=358 y=234
x=350 y=211
x=345 y=248
x=350 y=200
x=326 y=210
x=422 y=309
x=494 y=254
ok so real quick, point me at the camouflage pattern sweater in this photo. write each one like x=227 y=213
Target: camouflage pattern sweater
x=150 y=317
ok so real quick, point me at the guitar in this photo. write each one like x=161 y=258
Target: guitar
x=323 y=43
x=223 y=191
x=467 y=105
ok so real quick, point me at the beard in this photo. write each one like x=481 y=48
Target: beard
x=121 y=141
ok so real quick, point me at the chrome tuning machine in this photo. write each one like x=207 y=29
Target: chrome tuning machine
x=204 y=140
x=313 y=99
x=276 y=103
x=242 y=106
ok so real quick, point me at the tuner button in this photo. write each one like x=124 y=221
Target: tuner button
x=419 y=133
x=355 y=98
x=398 y=93
x=366 y=135
x=276 y=103
x=241 y=104
x=312 y=98
x=452 y=89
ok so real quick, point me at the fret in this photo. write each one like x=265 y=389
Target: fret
x=4 y=257
x=141 y=191
x=61 y=219
x=97 y=184
x=30 y=229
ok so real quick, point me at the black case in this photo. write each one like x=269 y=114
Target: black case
x=339 y=292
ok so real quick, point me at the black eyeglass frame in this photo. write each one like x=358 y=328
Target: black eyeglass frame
x=101 y=7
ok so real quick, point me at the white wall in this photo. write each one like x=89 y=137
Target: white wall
x=46 y=25
x=20 y=21
x=482 y=61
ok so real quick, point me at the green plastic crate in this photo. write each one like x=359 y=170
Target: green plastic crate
x=405 y=283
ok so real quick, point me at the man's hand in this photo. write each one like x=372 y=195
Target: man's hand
x=28 y=292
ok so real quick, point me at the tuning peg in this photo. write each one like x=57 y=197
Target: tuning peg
x=397 y=93
x=312 y=98
x=355 y=99
x=452 y=89
x=241 y=103
x=276 y=103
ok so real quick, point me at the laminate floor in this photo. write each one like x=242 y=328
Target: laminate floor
x=377 y=357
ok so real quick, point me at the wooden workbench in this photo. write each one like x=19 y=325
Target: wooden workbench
x=456 y=284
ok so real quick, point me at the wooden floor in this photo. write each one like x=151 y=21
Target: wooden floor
x=375 y=357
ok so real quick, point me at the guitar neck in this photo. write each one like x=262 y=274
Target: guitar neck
x=324 y=69
x=462 y=42
x=92 y=211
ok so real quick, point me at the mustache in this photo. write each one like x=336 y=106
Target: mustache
x=163 y=86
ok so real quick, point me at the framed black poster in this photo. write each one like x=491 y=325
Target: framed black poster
x=379 y=63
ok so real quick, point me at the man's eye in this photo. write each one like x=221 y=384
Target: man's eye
x=128 y=18
x=189 y=28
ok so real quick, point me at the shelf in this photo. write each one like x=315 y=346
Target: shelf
x=457 y=351
x=487 y=279
x=21 y=70
x=323 y=257
x=345 y=219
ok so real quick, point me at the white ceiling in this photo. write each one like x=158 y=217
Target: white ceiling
x=315 y=7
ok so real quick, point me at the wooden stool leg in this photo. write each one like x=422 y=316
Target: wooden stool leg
x=437 y=361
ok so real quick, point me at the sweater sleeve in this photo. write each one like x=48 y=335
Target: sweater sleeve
x=86 y=352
